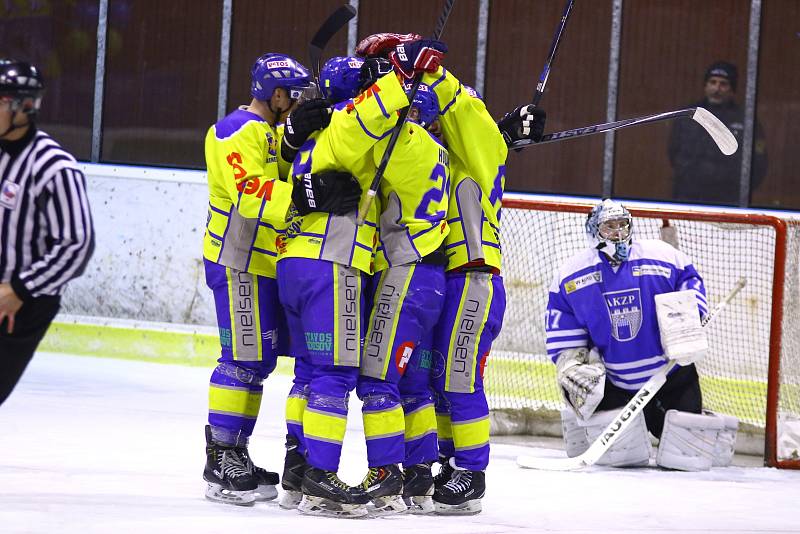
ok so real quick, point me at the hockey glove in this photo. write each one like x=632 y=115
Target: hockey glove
x=372 y=70
x=582 y=376
x=525 y=122
x=331 y=192
x=306 y=118
x=413 y=57
x=380 y=44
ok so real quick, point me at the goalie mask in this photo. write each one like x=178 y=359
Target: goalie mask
x=340 y=77
x=609 y=229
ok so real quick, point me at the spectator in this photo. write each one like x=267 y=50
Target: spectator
x=701 y=173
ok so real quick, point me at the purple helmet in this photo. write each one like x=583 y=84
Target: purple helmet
x=271 y=71
x=339 y=78
x=427 y=103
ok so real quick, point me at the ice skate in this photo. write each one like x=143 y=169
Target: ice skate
x=326 y=495
x=384 y=487
x=462 y=494
x=445 y=472
x=418 y=489
x=229 y=479
x=267 y=480
x=294 y=468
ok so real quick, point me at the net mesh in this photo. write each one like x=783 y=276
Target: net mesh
x=734 y=375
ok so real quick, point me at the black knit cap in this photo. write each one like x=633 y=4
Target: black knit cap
x=723 y=69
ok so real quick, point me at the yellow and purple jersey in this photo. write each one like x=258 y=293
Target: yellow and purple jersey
x=345 y=145
x=414 y=196
x=477 y=159
x=248 y=201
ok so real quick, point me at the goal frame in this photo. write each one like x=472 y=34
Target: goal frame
x=780 y=227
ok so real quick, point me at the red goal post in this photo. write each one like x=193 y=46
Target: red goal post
x=753 y=370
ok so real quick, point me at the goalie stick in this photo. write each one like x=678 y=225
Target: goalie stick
x=551 y=55
x=723 y=137
x=625 y=417
x=335 y=22
x=367 y=200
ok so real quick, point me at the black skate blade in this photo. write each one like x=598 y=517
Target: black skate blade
x=419 y=504
x=320 y=506
x=387 y=505
x=465 y=508
x=216 y=493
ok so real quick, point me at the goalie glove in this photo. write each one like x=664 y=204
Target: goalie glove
x=525 y=122
x=306 y=118
x=682 y=335
x=582 y=377
x=372 y=70
x=331 y=192
x=380 y=44
x=413 y=57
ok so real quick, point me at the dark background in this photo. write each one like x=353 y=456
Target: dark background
x=162 y=75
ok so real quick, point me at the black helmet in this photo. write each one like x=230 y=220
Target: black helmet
x=20 y=80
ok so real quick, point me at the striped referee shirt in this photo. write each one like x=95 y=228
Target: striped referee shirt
x=46 y=233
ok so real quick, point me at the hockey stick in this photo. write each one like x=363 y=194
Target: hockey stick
x=551 y=55
x=715 y=128
x=366 y=202
x=625 y=417
x=335 y=22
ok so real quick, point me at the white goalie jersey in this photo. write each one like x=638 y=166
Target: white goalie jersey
x=593 y=304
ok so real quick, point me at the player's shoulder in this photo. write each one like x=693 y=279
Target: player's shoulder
x=238 y=121
x=656 y=249
x=583 y=262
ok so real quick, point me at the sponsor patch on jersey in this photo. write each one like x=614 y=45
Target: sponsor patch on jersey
x=583 y=281
x=652 y=270
x=9 y=195
x=625 y=312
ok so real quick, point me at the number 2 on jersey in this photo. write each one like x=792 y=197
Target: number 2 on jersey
x=434 y=195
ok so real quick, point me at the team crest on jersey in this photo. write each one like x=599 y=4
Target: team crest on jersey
x=272 y=146
x=625 y=312
x=8 y=195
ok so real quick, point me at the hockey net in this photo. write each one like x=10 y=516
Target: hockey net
x=753 y=368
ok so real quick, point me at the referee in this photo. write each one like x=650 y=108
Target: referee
x=46 y=234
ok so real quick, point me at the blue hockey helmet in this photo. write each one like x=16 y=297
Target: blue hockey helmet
x=427 y=104
x=271 y=71
x=20 y=80
x=339 y=78
x=609 y=228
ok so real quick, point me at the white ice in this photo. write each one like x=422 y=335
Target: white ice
x=91 y=445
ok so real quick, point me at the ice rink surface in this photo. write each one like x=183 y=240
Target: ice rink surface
x=92 y=445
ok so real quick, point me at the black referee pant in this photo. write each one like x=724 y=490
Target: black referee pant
x=680 y=392
x=17 y=348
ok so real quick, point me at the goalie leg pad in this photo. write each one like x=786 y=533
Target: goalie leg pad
x=632 y=448
x=575 y=442
x=726 y=439
x=689 y=441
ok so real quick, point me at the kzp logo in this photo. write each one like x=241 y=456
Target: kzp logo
x=403 y=355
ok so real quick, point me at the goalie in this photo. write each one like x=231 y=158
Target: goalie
x=617 y=312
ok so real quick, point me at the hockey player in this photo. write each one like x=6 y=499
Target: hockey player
x=613 y=313
x=475 y=298
x=323 y=262
x=247 y=208
x=340 y=78
x=399 y=418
